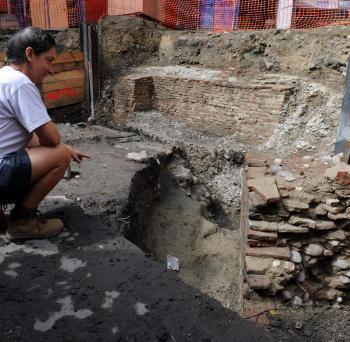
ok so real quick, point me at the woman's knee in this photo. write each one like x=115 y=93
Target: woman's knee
x=64 y=155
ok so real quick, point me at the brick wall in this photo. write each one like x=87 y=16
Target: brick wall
x=251 y=111
x=132 y=94
x=220 y=107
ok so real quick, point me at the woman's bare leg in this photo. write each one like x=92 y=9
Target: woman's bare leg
x=48 y=167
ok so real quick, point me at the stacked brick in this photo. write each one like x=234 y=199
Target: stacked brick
x=296 y=229
x=213 y=106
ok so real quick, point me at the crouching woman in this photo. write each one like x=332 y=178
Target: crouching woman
x=33 y=158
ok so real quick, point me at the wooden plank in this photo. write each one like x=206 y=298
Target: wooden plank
x=64 y=76
x=64 y=97
x=73 y=83
x=56 y=68
x=68 y=57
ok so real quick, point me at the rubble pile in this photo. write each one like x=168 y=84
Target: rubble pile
x=296 y=227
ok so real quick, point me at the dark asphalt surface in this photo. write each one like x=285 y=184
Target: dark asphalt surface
x=91 y=284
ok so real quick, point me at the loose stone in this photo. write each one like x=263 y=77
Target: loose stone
x=260 y=235
x=297 y=301
x=336 y=235
x=344 y=280
x=303 y=222
x=341 y=264
x=287 y=175
x=324 y=225
x=258 y=265
x=294 y=205
x=296 y=257
x=314 y=249
x=272 y=252
x=336 y=217
x=265 y=187
x=301 y=277
x=285 y=266
x=319 y=210
x=286 y=295
x=256 y=200
x=288 y=228
x=263 y=226
x=256 y=172
x=258 y=282
x=332 y=202
x=327 y=252
x=278 y=161
x=333 y=209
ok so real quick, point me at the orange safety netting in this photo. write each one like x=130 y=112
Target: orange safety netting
x=213 y=15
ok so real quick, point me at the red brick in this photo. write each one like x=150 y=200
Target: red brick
x=258 y=282
x=265 y=187
x=269 y=252
x=258 y=235
x=342 y=178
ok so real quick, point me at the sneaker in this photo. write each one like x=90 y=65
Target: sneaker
x=34 y=227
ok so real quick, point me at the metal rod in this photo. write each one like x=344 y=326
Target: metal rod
x=86 y=67
x=91 y=78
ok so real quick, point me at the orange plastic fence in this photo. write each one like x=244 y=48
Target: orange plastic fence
x=213 y=15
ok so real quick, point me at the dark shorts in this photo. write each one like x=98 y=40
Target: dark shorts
x=15 y=174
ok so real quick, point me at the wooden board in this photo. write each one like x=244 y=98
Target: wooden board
x=73 y=83
x=67 y=66
x=64 y=97
x=64 y=76
x=69 y=57
x=64 y=88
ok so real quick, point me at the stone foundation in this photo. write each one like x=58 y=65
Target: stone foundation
x=297 y=230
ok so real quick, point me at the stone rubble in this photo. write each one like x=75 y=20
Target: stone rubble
x=297 y=229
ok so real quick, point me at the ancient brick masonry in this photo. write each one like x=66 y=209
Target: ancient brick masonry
x=133 y=93
x=249 y=110
x=296 y=230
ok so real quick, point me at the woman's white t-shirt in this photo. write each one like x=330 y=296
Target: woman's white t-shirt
x=21 y=110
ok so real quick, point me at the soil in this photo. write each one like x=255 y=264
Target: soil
x=319 y=54
x=208 y=253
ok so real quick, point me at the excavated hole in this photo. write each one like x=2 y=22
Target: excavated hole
x=172 y=216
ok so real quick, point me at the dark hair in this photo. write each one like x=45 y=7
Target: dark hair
x=39 y=40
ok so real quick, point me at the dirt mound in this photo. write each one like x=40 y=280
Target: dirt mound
x=317 y=54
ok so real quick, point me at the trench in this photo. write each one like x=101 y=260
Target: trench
x=174 y=215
